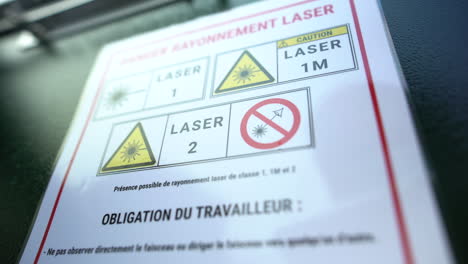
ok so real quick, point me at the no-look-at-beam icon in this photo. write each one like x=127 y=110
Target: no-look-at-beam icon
x=264 y=124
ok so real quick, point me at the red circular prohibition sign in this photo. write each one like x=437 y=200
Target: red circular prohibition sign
x=287 y=135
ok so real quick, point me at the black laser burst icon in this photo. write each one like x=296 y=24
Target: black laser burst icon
x=245 y=73
x=259 y=130
x=116 y=98
x=131 y=151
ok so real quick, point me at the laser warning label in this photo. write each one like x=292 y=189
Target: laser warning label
x=246 y=72
x=314 y=36
x=255 y=126
x=277 y=132
x=134 y=152
x=262 y=125
x=314 y=54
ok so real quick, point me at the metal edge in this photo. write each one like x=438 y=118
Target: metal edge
x=427 y=159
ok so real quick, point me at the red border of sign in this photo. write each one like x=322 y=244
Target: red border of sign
x=286 y=138
x=404 y=237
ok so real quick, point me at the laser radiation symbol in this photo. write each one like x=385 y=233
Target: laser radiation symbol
x=246 y=72
x=270 y=123
x=116 y=98
x=134 y=152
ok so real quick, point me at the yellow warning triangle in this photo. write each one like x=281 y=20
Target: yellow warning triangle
x=134 y=152
x=246 y=72
x=282 y=44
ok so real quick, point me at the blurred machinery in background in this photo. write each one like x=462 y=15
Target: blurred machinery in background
x=49 y=20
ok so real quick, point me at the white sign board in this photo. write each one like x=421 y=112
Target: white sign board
x=278 y=132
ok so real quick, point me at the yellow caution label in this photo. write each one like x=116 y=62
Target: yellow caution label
x=317 y=35
x=134 y=152
x=247 y=72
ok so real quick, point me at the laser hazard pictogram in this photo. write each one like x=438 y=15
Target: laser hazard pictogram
x=134 y=152
x=116 y=98
x=247 y=72
x=270 y=123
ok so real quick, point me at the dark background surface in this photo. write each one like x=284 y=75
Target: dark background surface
x=39 y=91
